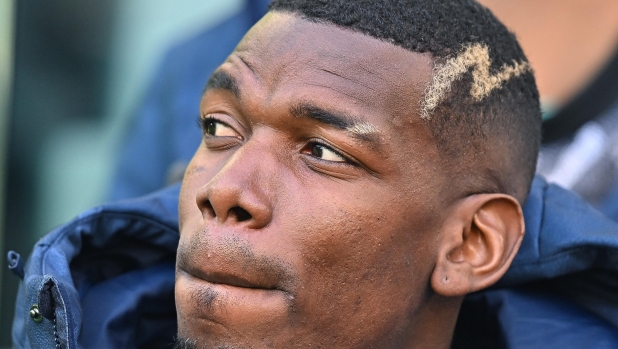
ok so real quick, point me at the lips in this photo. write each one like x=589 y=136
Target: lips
x=221 y=271
x=214 y=299
x=224 y=278
x=222 y=281
x=227 y=260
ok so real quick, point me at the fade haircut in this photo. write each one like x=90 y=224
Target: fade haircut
x=482 y=106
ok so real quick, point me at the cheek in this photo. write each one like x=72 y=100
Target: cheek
x=353 y=257
x=364 y=249
x=358 y=233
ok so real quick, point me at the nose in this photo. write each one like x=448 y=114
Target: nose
x=240 y=192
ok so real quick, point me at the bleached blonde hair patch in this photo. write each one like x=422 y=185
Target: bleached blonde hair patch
x=362 y=129
x=474 y=56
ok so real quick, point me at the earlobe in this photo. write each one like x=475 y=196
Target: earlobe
x=479 y=240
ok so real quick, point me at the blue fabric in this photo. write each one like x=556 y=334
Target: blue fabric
x=589 y=241
x=115 y=267
x=524 y=318
x=559 y=322
x=115 y=264
x=163 y=132
x=610 y=206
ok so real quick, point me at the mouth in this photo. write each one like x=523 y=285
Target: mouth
x=221 y=281
x=230 y=261
x=226 y=300
x=223 y=278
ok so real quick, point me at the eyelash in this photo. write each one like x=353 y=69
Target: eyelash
x=202 y=121
x=326 y=145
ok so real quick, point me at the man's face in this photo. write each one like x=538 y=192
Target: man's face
x=309 y=215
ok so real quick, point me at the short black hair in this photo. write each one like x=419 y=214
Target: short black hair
x=483 y=102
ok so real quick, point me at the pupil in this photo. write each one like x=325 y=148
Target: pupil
x=317 y=150
x=211 y=128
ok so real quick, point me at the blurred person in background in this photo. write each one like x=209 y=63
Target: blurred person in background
x=163 y=134
x=573 y=48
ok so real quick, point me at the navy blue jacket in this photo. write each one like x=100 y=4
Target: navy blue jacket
x=106 y=280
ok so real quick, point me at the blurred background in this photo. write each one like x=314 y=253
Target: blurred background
x=71 y=73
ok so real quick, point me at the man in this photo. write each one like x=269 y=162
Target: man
x=400 y=217
x=362 y=169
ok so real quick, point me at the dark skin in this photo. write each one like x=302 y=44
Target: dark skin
x=309 y=216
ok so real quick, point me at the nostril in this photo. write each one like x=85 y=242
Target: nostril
x=211 y=210
x=240 y=213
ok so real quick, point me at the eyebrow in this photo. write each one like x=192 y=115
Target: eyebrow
x=360 y=130
x=363 y=131
x=221 y=80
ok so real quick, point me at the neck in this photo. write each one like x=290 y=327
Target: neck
x=431 y=326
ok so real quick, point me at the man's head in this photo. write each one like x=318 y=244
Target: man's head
x=362 y=168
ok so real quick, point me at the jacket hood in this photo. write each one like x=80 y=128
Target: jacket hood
x=106 y=279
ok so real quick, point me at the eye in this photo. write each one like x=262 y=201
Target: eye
x=326 y=153
x=215 y=128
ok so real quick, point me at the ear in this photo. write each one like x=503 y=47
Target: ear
x=479 y=240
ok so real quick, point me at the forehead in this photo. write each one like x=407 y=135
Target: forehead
x=292 y=59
